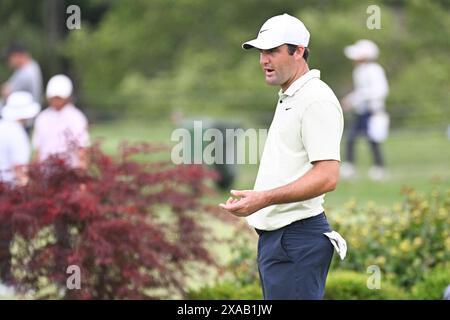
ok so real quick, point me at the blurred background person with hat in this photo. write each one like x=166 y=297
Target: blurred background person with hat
x=61 y=129
x=15 y=148
x=367 y=102
x=15 y=154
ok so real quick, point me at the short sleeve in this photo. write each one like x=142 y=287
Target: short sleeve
x=322 y=127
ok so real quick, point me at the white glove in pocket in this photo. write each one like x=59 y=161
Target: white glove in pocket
x=338 y=242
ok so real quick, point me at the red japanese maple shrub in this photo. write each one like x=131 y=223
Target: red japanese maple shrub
x=130 y=226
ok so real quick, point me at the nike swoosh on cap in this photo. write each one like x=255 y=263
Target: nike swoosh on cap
x=263 y=30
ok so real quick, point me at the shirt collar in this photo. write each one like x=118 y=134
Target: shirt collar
x=299 y=83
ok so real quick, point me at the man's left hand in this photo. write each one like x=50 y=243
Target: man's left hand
x=249 y=202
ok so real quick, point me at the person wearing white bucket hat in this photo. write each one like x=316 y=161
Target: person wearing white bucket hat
x=367 y=101
x=61 y=129
x=14 y=145
x=299 y=164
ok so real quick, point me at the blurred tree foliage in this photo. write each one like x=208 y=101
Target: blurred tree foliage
x=148 y=58
x=41 y=26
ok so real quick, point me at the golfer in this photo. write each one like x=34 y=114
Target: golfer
x=300 y=163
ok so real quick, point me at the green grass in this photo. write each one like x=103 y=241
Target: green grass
x=414 y=158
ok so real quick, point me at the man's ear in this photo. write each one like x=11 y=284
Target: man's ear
x=298 y=54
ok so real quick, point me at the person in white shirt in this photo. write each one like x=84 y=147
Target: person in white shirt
x=367 y=101
x=61 y=129
x=15 y=148
x=299 y=164
x=14 y=157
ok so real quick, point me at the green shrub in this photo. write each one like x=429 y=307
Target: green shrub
x=405 y=241
x=243 y=266
x=434 y=283
x=341 y=285
x=350 y=285
x=227 y=291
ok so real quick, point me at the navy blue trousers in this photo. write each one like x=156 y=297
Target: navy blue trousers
x=294 y=261
x=359 y=128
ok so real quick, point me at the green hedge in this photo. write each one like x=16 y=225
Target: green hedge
x=227 y=291
x=405 y=241
x=433 y=285
x=341 y=285
x=350 y=285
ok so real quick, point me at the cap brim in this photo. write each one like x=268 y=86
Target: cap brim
x=62 y=95
x=261 y=44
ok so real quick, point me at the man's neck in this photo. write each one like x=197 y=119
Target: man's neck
x=300 y=72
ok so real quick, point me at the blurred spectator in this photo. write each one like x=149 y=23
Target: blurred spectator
x=14 y=156
x=15 y=148
x=367 y=101
x=27 y=75
x=61 y=128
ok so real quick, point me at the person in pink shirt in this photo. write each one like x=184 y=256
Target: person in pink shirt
x=61 y=129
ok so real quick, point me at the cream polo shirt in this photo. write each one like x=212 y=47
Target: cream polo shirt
x=307 y=127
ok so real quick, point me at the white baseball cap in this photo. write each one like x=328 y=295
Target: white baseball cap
x=362 y=50
x=279 y=30
x=20 y=105
x=59 y=86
